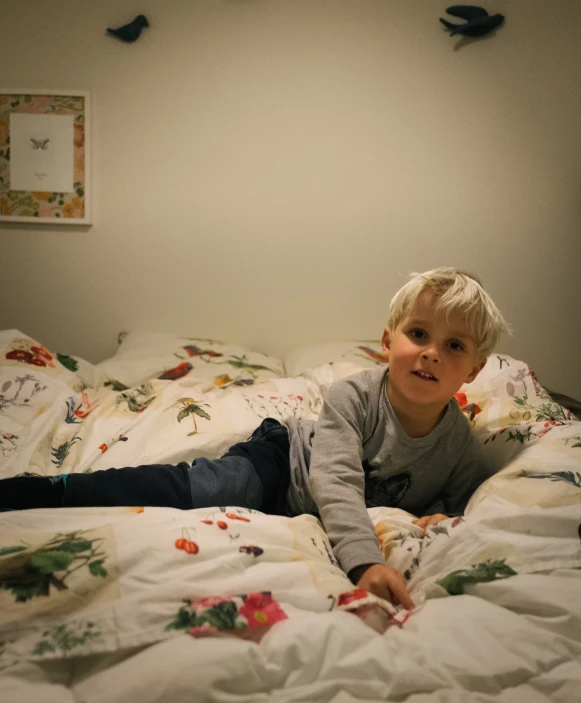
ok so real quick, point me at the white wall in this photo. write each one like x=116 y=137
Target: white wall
x=265 y=171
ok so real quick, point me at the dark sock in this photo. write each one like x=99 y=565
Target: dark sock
x=26 y=492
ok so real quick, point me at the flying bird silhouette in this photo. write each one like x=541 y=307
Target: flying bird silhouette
x=478 y=21
x=130 y=32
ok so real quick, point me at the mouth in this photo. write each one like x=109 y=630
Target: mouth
x=425 y=375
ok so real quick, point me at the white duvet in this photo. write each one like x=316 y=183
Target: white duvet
x=226 y=604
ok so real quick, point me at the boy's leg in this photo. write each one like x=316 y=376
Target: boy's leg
x=160 y=485
x=253 y=474
x=153 y=485
x=22 y=492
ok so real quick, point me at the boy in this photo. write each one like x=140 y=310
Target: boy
x=391 y=436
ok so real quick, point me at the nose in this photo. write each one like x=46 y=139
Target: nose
x=431 y=353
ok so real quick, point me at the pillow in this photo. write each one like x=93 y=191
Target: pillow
x=365 y=354
x=508 y=408
x=147 y=356
x=19 y=351
x=35 y=386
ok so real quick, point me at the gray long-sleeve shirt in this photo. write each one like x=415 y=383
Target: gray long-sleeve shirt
x=357 y=455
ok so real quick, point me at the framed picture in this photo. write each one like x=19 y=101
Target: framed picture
x=45 y=157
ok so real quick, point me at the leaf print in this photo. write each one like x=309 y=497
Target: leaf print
x=545 y=411
x=29 y=573
x=61 y=452
x=550 y=411
x=456 y=581
x=137 y=399
x=184 y=619
x=183 y=414
x=24 y=390
x=65 y=638
x=78 y=546
x=68 y=362
x=567 y=476
x=96 y=568
x=49 y=562
x=198 y=411
x=71 y=418
x=25 y=592
x=137 y=406
x=223 y=616
x=521 y=437
x=240 y=362
x=189 y=406
x=11 y=550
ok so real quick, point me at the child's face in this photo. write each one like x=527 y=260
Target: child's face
x=430 y=356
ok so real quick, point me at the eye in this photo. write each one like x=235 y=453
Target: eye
x=456 y=346
x=417 y=333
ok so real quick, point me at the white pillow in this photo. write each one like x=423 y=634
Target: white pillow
x=145 y=356
x=365 y=354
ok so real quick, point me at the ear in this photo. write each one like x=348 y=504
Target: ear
x=386 y=342
x=475 y=371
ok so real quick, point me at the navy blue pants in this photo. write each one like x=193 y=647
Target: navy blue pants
x=252 y=474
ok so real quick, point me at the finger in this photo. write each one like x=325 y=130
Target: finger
x=401 y=595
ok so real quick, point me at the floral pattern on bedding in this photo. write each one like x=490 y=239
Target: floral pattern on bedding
x=142 y=357
x=507 y=393
x=47 y=573
x=234 y=615
x=171 y=561
x=62 y=592
x=251 y=615
x=43 y=569
x=18 y=349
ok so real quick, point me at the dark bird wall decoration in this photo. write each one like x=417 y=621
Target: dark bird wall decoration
x=478 y=21
x=130 y=32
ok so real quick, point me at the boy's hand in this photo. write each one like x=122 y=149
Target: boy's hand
x=427 y=520
x=383 y=581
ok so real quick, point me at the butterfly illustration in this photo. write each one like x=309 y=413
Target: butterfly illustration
x=40 y=143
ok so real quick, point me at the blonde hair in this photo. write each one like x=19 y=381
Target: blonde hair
x=453 y=290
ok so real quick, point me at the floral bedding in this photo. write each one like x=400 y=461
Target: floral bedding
x=224 y=604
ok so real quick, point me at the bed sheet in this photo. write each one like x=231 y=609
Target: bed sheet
x=112 y=604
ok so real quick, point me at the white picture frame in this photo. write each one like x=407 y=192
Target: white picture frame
x=45 y=141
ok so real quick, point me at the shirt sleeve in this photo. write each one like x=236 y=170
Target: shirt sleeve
x=470 y=471
x=337 y=478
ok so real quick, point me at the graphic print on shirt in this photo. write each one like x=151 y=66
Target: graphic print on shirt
x=385 y=491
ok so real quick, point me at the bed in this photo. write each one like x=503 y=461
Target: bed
x=228 y=604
